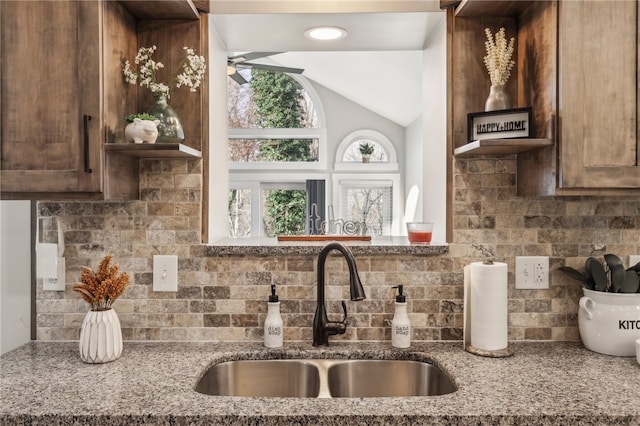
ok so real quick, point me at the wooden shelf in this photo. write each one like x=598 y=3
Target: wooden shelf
x=154 y=150
x=468 y=8
x=165 y=9
x=500 y=146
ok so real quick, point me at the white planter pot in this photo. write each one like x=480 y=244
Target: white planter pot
x=609 y=323
x=100 y=337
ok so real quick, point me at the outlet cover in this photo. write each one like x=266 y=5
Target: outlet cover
x=165 y=273
x=532 y=272
x=634 y=259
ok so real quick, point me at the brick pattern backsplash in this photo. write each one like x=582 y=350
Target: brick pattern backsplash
x=224 y=298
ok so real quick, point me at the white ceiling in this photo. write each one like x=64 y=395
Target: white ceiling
x=378 y=65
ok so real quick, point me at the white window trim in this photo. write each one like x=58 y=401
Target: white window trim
x=339 y=179
x=301 y=133
x=256 y=183
x=387 y=145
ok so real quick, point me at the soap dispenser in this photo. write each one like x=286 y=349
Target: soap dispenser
x=273 y=330
x=400 y=325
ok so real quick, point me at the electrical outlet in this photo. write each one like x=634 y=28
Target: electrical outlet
x=165 y=273
x=634 y=259
x=532 y=272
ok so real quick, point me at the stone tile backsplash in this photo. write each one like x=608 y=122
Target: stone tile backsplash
x=224 y=298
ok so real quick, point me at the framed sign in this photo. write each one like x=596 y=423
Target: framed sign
x=503 y=124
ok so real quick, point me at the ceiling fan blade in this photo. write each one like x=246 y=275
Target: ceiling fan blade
x=250 y=55
x=238 y=78
x=271 y=68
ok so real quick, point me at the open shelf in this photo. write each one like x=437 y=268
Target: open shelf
x=165 y=9
x=154 y=150
x=468 y=8
x=500 y=146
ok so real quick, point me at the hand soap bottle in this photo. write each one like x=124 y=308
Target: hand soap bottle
x=400 y=325
x=273 y=329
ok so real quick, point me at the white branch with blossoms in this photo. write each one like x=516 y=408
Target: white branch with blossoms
x=498 y=60
x=145 y=69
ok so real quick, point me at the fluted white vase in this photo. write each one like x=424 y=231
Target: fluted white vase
x=100 y=337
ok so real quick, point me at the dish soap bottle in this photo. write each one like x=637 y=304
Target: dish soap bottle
x=273 y=324
x=400 y=325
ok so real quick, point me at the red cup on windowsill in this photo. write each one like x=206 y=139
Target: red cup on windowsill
x=419 y=232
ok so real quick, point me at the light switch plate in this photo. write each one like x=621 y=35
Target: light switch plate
x=165 y=273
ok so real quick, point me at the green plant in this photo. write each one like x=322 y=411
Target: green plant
x=366 y=148
x=141 y=116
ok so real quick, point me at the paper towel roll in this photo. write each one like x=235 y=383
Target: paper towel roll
x=488 y=301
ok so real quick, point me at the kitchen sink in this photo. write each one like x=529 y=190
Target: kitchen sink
x=324 y=378
x=267 y=378
x=376 y=378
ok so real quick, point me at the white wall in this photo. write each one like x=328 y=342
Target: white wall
x=344 y=116
x=414 y=170
x=15 y=274
x=434 y=95
x=218 y=142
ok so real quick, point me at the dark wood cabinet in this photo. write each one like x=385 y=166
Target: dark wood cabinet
x=64 y=98
x=576 y=66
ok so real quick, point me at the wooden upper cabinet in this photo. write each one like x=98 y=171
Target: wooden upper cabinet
x=577 y=67
x=50 y=128
x=598 y=100
x=64 y=97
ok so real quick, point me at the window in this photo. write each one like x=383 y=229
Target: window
x=383 y=158
x=275 y=131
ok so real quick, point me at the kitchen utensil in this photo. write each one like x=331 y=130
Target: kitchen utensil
x=635 y=267
x=618 y=277
x=612 y=259
x=630 y=283
x=589 y=277
x=577 y=275
x=597 y=272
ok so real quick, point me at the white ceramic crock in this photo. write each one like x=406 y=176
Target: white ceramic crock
x=609 y=323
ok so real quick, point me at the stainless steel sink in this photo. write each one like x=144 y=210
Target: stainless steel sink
x=268 y=378
x=376 y=378
x=324 y=378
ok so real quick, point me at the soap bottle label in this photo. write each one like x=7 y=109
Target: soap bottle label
x=274 y=330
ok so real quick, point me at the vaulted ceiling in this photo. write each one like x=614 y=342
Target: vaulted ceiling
x=378 y=64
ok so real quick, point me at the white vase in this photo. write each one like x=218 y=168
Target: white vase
x=100 y=337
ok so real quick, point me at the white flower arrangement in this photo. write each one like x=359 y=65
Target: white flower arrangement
x=193 y=69
x=498 y=60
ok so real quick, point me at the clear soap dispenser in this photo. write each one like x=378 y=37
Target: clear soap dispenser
x=400 y=325
x=273 y=329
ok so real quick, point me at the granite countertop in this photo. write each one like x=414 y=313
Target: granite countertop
x=152 y=383
x=378 y=246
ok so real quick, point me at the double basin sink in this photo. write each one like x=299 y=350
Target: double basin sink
x=325 y=378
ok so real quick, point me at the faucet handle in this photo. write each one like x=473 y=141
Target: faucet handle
x=344 y=310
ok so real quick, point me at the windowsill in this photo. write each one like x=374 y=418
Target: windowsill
x=272 y=247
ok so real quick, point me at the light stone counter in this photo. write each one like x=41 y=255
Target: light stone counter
x=378 y=246
x=152 y=383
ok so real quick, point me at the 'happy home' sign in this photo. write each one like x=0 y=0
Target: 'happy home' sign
x=509 y=123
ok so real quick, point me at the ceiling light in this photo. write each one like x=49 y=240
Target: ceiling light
x=325 y=33
x=231 y=70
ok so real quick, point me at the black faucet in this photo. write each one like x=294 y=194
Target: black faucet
x=322 y=327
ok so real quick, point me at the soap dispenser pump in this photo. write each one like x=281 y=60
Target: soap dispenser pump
x=273 y=330
x=400 y=325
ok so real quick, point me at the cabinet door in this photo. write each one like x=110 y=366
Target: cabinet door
x=51 y=97
x=598 y=95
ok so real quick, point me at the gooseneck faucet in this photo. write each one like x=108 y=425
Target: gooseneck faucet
x=322 y=327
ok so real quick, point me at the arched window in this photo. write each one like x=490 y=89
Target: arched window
x=349 y=155
x=277 y=153
x=368 y=192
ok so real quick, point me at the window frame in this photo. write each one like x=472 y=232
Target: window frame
x=376 y=166
x=340 y=179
